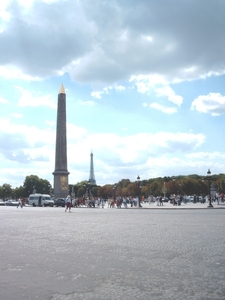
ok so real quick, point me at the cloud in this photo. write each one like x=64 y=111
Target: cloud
x=168 y=92
x=40 y=35
x=3 y=101
x=17 y=116
x=29 y=99
x=106 y=90
x=167 y=110
x=112 y=42
x=147 y=83
x=89 y=103
x=26 y=144
x=213 y=103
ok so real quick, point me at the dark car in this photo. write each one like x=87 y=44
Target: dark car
x=59 y=202
x=165 y=199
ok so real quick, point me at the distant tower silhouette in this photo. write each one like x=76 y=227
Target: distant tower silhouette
x=61 y=173
x=92 y=175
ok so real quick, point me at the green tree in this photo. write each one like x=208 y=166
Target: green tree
x=6 y=191
x=33 y=184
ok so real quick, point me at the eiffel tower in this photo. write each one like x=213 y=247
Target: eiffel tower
x=92 y=175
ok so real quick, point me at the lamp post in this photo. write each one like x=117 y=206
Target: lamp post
x=139 y=187
x=164 y=190
x=202 y=191
x=174 y=185
x=73 y=193
x=49 y=186
x=89 y=189
x=209 y=181
x=114 y=192
x=4 y=191
x=179 y=188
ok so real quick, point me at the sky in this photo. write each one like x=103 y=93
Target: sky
x=144 y=82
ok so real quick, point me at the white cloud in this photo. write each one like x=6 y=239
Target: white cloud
x=106 y=90
x=9 y=71
x=17 y=116
x=213 y=103
x=26 y=145
x=168 y=92
x=3 y=101
x=147 y=83
x=29 y=99
x=120 y=88
x=197 y=156
x=167 y=110
x=157 y=84
x=97 y=94
x=89 y=103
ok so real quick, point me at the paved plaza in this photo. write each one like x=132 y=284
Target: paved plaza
x=112 y=254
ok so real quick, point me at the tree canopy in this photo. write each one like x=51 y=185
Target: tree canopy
x=188 y=185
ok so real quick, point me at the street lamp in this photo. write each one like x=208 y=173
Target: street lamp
x=179 y=188
x=4 y=192
x=209 y=180
x=89 y=190
x=49 y=186
x=139 y=187
x=202 y=190
x=114 y=192
x=174 y=185
x=73 y=193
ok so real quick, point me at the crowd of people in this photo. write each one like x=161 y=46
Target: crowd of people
x=118 y=202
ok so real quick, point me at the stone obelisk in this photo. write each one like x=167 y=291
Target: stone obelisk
x=92 y=175
x=61 y=173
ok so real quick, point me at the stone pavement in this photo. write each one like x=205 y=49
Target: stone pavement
x=112 y=254
x=188 y=205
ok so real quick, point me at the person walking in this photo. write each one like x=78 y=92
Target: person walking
x=160 y=201
x=20 y=203
x=68 y=203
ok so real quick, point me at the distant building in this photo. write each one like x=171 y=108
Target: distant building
x=92 y=175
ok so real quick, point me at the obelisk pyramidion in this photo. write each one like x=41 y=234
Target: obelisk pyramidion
x=61 y=173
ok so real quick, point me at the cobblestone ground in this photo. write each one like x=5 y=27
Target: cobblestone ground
x=112 y=254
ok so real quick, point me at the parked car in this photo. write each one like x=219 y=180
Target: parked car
x=11 y=202
x=165 y=199
x=59 y=202
x=2 y=202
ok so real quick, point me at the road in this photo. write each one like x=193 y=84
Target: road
x=112 y=254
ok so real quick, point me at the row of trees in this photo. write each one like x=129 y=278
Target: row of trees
x=187 y=185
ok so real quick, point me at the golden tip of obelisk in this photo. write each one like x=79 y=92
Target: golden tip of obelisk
x=62 y=90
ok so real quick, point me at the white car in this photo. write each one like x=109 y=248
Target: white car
x=11 y=202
